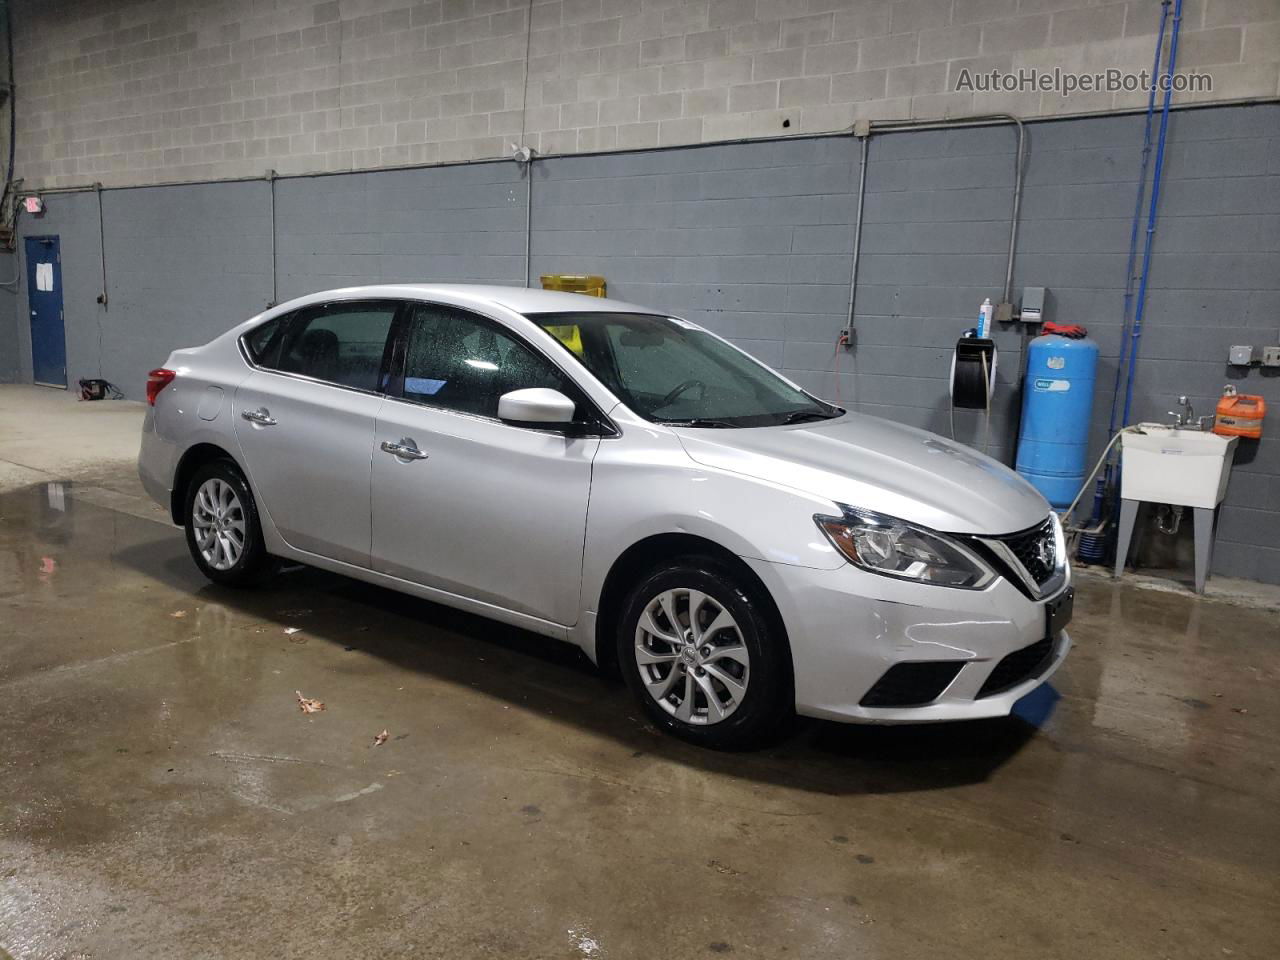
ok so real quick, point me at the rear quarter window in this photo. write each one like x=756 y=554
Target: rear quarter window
x=262 y=343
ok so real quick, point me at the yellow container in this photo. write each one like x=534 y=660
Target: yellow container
x=590 y=284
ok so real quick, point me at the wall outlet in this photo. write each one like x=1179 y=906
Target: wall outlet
x=1271 y=356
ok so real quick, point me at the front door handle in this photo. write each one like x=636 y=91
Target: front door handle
x=260 y=416
x=406 y=449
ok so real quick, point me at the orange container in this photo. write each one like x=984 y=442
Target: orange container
x=1240 y=415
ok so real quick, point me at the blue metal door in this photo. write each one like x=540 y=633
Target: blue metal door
x=44 y=294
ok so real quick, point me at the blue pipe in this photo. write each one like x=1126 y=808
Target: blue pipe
x=1133 y=233
x=1151 y=216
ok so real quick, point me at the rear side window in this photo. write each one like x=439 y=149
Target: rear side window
x=342 y=343
x=456 y=360
x=263 y=343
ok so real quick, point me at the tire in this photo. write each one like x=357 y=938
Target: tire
x=743 y=662
x=224 y=533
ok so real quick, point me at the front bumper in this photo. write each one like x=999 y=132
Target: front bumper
x=847 y=628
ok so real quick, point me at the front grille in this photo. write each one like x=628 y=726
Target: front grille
x=1035 y=549
x=911 y=684
x=1017 y=667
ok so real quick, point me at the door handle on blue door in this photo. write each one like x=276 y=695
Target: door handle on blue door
x=406 y=449
x=260 y=416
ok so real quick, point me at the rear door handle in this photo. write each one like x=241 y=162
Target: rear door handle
x=260 y=416
x=406 y=449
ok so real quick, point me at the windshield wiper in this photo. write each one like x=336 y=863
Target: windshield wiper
x=699 y=422
x=803 y=416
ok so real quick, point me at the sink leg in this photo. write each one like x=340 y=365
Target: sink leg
x=1128 y=515
x=1205 y=517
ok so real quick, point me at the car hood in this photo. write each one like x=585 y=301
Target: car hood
x=878 y=465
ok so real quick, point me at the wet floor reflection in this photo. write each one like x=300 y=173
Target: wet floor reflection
x=152 y=742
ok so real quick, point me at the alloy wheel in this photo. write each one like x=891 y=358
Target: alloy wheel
x=218 y=519
x=692 y=657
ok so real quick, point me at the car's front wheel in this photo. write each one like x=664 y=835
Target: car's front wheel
x=700 y=652
x=224 y=534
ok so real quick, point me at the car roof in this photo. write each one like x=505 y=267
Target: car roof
x=519 y=299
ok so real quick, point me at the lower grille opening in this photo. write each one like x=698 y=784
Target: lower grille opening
x=1018 y=666
x=911 y=684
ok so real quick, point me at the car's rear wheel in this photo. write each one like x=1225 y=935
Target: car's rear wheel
x=224 y=534
x=700 y=652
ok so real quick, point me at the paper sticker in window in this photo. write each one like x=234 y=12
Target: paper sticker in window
x=423 y=386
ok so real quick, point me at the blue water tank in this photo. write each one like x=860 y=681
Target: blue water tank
x=1057 y=401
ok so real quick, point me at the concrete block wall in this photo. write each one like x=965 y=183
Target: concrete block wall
x=754 y=241
x=143 y=91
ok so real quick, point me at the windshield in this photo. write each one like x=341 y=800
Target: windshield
x=672 y=371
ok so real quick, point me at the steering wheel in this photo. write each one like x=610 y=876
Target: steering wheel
x=687 y=385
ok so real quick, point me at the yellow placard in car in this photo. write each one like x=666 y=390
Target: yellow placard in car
x=569 y=335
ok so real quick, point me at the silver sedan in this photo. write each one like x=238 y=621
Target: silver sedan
x=624 y=480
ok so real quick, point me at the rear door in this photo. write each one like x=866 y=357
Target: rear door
x=44 y=295
x=305 y=421
x=478 y=507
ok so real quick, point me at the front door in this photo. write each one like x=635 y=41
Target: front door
x=464 y=502
x=44 y=295
x=305 y=421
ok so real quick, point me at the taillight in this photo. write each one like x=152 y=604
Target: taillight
x=157 y=380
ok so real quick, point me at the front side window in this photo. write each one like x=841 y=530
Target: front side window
x=456 y=360
x=672 y=371
x=339 y=343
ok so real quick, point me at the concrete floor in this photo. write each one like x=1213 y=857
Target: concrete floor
x=164 y=797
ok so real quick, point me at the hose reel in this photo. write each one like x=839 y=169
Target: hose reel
x=973 y=379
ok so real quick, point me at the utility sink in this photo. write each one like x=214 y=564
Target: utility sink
x=1165 y=464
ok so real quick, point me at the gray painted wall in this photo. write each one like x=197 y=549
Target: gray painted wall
x=9 y=345
x=754 y=240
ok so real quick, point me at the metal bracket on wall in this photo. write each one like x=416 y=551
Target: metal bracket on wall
x=270 y=177
x=102 y=247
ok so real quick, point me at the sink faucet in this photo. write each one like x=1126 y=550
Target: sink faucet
x=1186 y=417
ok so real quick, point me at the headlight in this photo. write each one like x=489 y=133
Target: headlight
x=899 y=549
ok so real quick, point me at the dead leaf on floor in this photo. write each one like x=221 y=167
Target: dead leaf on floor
x=290 y=631
x=381 y=738
x=307 y=705
x=178 y=614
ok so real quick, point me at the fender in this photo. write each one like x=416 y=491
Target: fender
x=644 y=490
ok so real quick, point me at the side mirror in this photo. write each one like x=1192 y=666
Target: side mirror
x=535 y=407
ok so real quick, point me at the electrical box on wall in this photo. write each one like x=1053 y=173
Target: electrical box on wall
x=1271 y=356
x=1241 y=355
x=1032 y=305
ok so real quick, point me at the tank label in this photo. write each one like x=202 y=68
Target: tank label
x=1056 y=363
x=1045 y=385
